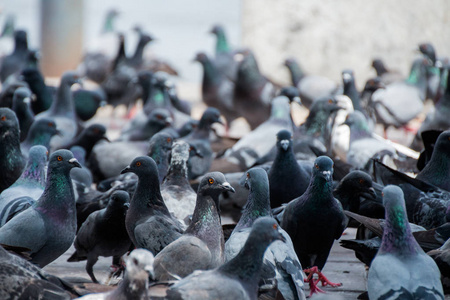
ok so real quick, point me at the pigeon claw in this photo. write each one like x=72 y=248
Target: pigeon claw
x=325 y=281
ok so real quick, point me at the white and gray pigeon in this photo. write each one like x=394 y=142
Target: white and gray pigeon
x=279 y=257
x=28 y=187
x=236 y=279
x=177 y=193
x=135 y=282
x=401 y=269
x=48 y=227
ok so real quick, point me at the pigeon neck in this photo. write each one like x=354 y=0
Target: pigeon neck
x=246 y=265
x=159 y=97
x=161 y=159
x=21 y=45
x=447 y=89
x=348 y=198
x=281 y=109
x=39 y=138
x=296 y=73
x=380 y=68
x=57 y=200
x=149 y=194
x=108 y=26
x=121 y=55
x=352 y=93
x=178 y=172
x=210 y=74
x=63 y=103
x=222 y=44
x=258 y=205
x=397 y=236
x=138 y=54
x=319 y=189
x=316 y=123
x=203 y=129
x=249 y=78
x=10 y=147
x=34 y=172
x=417 y=75
x=437 y=171
x=358 y=131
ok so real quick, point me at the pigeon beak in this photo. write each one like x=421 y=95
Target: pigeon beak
x=75 y=162
x=150 y=271
x=284 y=144
x=281 y=237
x=197 y=153
x=126 y=170
x=370 y=194
x=297 y=100
x=227 y=186
x=127 y=205
x=27 y=100
x=346 y=77
x=59 y=133
x=327 y=175
x=106 y=139
x=169 y=121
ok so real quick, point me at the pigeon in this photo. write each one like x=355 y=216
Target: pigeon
x=311 y=87
x=285 y=169
x=21 y=279
x=437 y=171
x=279 y=257
x=314 y=220
x=252 y=92
x=40 y=133
x=27 y=188
x=202 y=243
x=62 y=111
x=181 y=105
x=87 y=102
x=441 y=258
x=48 y=227
x=81 y=177
x=88 y=138
x=158 y=119
x=15 y=62
x=236 y=279
x=176 y=191
x=224 y=56
x=135 y=282
x=103 y=234
x=437 y=120
x=21 y=106
x=199 y=138
x=363 y=145
x=12 y=161
x=385 y=75
x=350 y=90
x=261 y=140
x=429 y=52
x=43 y=93
x=217 y=88
x=393 y=272
x=429 y=139
x=148 y=221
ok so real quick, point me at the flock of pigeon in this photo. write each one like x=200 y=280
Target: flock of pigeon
x=154 y=198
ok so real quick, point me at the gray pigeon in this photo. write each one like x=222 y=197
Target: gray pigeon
x=48 y=227
x=201 y=246
x=22 y=107
x=40 y=133
x=401 y=270
x=236 y=279
x=28 y=187
x=279 y=257
x=148 y=221
x=103 y=234
x=135 y=282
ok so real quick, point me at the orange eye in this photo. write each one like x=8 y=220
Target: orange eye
x=330 y=101
x=50 y=124
x=211 y=181
x=3 y=118
x=382 y=194
x=159 y=117
x=59 y=158
x=361 y=181
x=275 y=226
x=138 y=164
x=317 y=166
x=169 y=140
x=248 y=175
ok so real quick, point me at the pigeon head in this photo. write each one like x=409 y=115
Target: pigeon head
x=120 y=201
x=428 y=50
x=254 y=176
x=284 y=140
x=140 y=262
x=20 y=36
x=63 y=160
x=348 y=77
x=209 y=117
x=143 y=166
x=70 y=78
x=37 y=159
x=359 y=183
x=44 y=125
x=96 y=132
x=22 y=96
x=9 y=125
x=267 y=229
x=160 y=143
x=160 y=117
x=201 y=57
x=373 y=84
x=323 y=168
x=442 y=145
x=356 y=119
x=213 y=184
x=188 y=127
x=290 y=62
x=194 y=151
x=280 y=108
x=292 y=93
x=217 y=29
x=325 y=104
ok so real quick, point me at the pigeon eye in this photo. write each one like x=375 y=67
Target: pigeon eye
x=135 y=261
x=3 y=118
x=248 y=175
x=361 y=181
x=138 y=164
x=330 y=101
x=449 y=138
x=211 y=181
x=169 y=140
x=59 y=158
x=50 y=124
x=159 y=117
x=275 y=226
x=317 y=166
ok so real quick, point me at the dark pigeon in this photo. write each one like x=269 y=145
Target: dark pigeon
x=62 y=111
x=394 y=269
x=21 y=106
x=314 y=220
x=224 y=56
x=87 y=102
x=12 y=161
x=441 y=257
x=43 y=94
x=201 y=247
x=385 y=75
x=88 y=138
x=429 y=139
x=27 y=188
x=279 y=257
x=284 y=171
x=350 y=90
x=148 y=221
x=427 y=49
x=40 y=133
x=48 y=227
x=158 y=119
x=103 y=234
x=15 y=62
x=236 y=279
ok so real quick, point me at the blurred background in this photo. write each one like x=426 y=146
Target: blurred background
x=324 y=36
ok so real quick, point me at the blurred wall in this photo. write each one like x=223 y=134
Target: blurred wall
x=328 y=36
